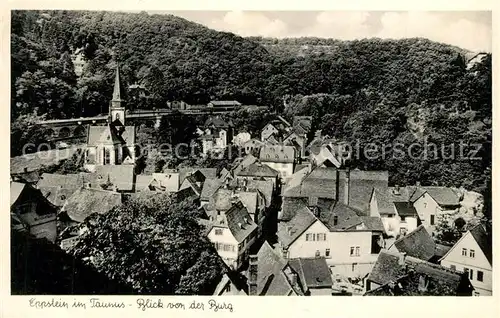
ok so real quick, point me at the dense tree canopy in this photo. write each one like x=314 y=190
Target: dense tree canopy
x=154 y=245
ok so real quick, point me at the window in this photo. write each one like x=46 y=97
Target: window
x=479 y=276
x=472 y=253
x=471 y=274
x=354 y=251
x=464 y=252
x=432 y=219
x=403 y=219
x=327 y=253
x=453 y=267
x=476 y=293
x=309 y=237
x=425 y=204
x=354 y=266
x=321 y=236
x=107 y=157
x=228 y=287
x=318 y=253
x=218 y=231
x=335 y=220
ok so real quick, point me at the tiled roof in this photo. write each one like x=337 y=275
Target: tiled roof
x=99 y=134
x=265 y=187
x=258 y=170
x=387 y=269
x=290 y=207
x=405 y=209
x=242 y=163
x=168 y=182
x=57 y=188
x=361 y=185
x=302 y=124
x=373 y=223
x=320 y=182
x=313 y=272
x=339 y=217
x=210 y=186
x=85 y=202
x=27 y=177
x=483 y=240
x=249 y=200
x=269 y=276
x=444 y=196
x=121 y=176
x=418 y=244
x=283 y=154
x=239 y=222
x=288 y=232
x=234 y=278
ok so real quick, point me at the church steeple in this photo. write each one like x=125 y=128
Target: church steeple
x=116 y=107
x=117 y=88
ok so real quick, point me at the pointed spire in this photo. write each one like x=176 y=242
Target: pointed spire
x=116 y=89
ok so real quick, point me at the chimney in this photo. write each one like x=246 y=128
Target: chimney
x=402 y=259
x=25 y=169
x=346 y=187
x=252 y=275
x=417 y=183
x=396 y=189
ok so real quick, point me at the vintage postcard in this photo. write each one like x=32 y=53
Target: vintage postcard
x=163 y=161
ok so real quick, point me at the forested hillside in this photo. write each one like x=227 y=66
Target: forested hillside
x=369 y=90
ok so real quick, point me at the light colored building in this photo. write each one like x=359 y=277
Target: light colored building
x=433 y=202
x=268 y=131
x=258 y=171
x=472 y=254
x=217 y=135
x=232 y=234
x=280 y=158
x=330 y=229
x=114 y=143
x=32 y=212
x=394 y=207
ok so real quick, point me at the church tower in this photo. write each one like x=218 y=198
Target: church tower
x=117 y=105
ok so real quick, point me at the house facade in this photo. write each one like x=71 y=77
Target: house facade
x=472 y=254
x=280 y=158
x=232 y=235
x=32 y=212
x=216 y=135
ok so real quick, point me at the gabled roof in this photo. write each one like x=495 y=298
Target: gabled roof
x=482 y=239
x=361 y=185
x=320 y=182
x=288 y=232
x=235 y=279
x=279 y=153
x=239 y=222
x=405 y=209
x=258 y=170
x=302 y=124
x=121 y=176
x=57 y=188
x=290 y=207
x=26 y=177
x=313 y=272
x=241 y=163
x=270 y=279
x=339 y=217
x=444 y=196
x=387 y=269
x=100 y=134
x=85 y=202
x=373 y=223
x=418 y=244
x=210 y=186
x=265 y=187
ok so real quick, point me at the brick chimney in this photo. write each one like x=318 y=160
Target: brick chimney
x=252 y=275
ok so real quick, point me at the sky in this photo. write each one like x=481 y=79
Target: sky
x=470 y=30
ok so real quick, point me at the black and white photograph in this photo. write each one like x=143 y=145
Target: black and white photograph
x=250 y=153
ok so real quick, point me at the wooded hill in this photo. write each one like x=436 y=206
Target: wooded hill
x=369 y=90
